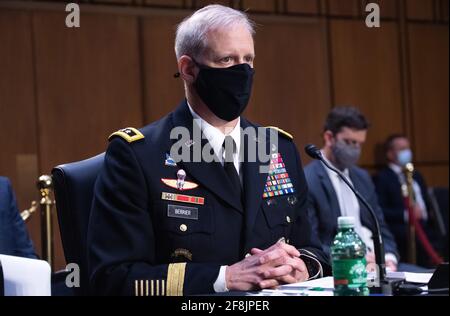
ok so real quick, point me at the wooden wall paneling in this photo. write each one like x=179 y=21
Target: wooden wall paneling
x=165 y=3
x=429 y=90
x=441 y=10
x=203 y=3
x=162 y=91
x=323 y=6
x=303 y=6
x=259 y=5
x=344 y=7
x=388 y=8
x=114 y=1
x=420 y=9
x=435 y=175
x=291 y=84
x=18 y=140
x=366 y=74
x=88 y=82
x=444 y=10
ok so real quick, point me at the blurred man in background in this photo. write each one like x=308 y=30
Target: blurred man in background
x=14 y=239
x=345 y=132
x=389 y=181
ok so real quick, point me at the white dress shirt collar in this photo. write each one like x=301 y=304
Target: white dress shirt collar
x=417 y=191
x=396 y=168
x=216 y=138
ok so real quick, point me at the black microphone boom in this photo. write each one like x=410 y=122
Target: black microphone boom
x=315 y=153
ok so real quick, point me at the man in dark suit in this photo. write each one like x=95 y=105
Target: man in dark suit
x=388 y=183
x=181 y=207
x=344 y=134
x=14 y=239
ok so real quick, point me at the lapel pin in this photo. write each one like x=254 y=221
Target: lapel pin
x=169 y=161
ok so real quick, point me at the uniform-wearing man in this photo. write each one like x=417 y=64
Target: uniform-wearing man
x=167 y=226
x=345 y=132
x=14 y=239
x=388 y=183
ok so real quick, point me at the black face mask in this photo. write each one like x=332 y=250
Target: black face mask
x=226 y=91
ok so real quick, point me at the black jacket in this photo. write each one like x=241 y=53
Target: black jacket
x=390 y=195
x=389 y=190
x=324 y=207
x=136 y=244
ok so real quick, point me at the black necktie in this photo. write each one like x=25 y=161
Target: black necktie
x=229 y=147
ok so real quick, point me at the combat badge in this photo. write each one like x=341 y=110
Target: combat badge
x=180 y=183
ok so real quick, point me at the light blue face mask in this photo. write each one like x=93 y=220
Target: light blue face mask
x=404 y=157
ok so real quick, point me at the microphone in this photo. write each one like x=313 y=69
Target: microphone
x=386 y=286
x=313 y=152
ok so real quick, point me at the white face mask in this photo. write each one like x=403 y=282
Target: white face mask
x=404 y=157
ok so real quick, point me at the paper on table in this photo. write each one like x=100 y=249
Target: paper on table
x=294 y=292
x=325 y=283
x=318 y=287
x=328 y=283
x=411 y=277
x=26 y=277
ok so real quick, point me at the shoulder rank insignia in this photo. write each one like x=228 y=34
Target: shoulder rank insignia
x=130 y=134
x=282 y=132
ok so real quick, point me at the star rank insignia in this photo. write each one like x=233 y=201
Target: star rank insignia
x=130 y=134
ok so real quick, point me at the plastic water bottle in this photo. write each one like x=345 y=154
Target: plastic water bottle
x=348 y=254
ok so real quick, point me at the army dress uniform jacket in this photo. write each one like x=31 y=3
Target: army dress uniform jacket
x=147 y=237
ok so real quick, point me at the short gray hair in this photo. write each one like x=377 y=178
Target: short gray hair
x=192 y=32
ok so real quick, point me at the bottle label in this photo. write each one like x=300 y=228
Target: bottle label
x=350 y=272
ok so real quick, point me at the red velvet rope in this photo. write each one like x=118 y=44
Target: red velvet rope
x=420 y=233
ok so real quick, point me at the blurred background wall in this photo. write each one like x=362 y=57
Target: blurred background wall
x=63 y=91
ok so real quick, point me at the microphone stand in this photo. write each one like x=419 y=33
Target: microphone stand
x=386 y=286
